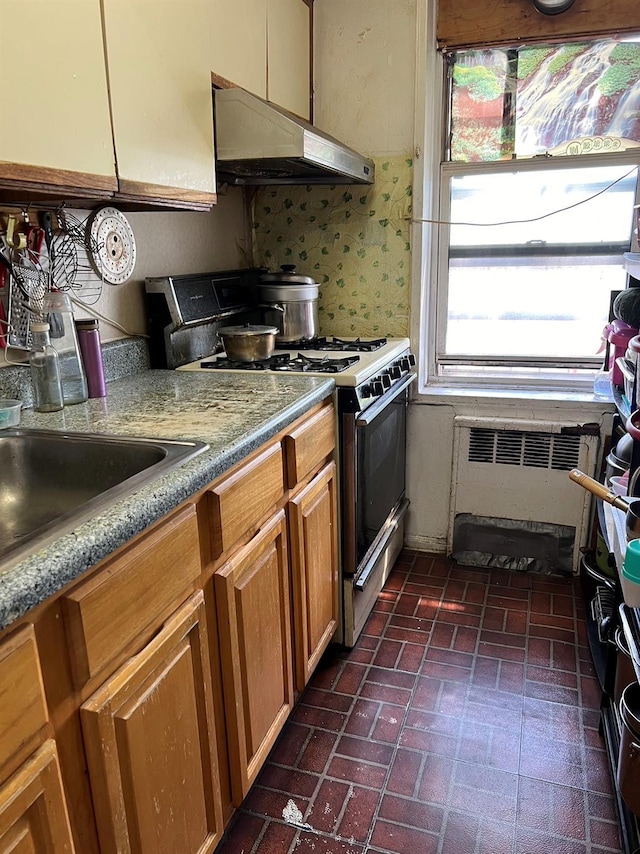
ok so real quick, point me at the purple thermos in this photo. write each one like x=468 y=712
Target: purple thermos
x=89 y=340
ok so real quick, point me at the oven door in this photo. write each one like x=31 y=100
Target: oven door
x=374 y=459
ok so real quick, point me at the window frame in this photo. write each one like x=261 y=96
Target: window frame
x=430 y=240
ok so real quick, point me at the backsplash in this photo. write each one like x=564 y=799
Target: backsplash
x=354 y=240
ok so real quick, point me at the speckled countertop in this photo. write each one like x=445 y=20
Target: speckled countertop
x=233 y=413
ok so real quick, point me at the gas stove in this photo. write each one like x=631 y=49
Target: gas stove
x=362 y=375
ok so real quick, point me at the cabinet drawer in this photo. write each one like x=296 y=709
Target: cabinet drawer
x=23 y=710
x=308 y=445
x=132 y=594
x=240 y=501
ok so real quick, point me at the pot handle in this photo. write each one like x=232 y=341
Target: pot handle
x=272 y=306
x=599 y=489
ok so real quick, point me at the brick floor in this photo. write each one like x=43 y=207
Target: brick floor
x=465 y=721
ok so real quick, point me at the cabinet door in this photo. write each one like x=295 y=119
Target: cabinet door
x=56 y=127
x=314 y=569
x=252 y=603
x=150 y=742
x=23 y=707
x=33 y=812
x=289 y=55
x=161 y=101
x=239 y=43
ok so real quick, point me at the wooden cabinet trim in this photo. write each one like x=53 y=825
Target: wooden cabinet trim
x=131 y=595
x=170 y=196
x=57 y=180
x=462 y=25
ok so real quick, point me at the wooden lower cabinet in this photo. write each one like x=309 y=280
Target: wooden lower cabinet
x=314 y=570
x=150 y=741
x=33 y=812
x=254 y=627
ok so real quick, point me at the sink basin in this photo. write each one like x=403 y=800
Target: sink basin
x=51 y=482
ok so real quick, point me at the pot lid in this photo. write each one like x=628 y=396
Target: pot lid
x=247 y=329
x=287 y=276
x=284 y=293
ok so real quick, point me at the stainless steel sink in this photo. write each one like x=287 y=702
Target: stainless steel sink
x=50 y=482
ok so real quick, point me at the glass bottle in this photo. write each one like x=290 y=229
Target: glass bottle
x=45 y=371
x=59 y=314
x=89 y=338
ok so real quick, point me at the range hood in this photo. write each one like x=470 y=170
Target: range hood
x=259 y=143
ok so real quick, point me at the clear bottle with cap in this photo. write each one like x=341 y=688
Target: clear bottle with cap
x=45 y=371
x=59 y=314
x=91 y=349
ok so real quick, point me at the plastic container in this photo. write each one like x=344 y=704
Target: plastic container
x=91 y=349
x=618 y=334
x=9 y=413
x=630 y=575
x=45 y=371
x=57 y=309
x=602 y=385
x=619 y=484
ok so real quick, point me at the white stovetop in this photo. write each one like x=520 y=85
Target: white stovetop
x=367 y=366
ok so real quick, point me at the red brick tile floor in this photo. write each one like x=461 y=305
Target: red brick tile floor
x=465 y=721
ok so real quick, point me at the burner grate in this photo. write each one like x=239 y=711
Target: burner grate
x=284 y=362
x=341 y=345
x=302 y=363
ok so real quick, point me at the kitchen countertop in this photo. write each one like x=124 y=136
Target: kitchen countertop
x=234 y=414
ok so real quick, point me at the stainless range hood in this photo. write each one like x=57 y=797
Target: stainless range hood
x=259 y=143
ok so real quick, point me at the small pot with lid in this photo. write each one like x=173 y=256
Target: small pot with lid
x=290 y=302
x=248 y=343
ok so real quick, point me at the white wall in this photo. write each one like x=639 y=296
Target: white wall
x=170 y=243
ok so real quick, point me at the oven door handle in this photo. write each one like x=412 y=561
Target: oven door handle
x=379 y=545
x=368 y=416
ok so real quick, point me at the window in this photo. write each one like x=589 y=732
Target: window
x=537 y=194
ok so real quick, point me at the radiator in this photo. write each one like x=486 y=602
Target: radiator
x=517 y=471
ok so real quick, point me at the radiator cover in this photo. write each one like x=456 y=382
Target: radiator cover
x=511 y=470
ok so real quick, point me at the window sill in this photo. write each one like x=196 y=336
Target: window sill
x=488 y=394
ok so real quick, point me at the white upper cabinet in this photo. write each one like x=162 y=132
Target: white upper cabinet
x=239 y=43
x=289 y=55
x=54 y=103
x=264 y=47
x=160 y=82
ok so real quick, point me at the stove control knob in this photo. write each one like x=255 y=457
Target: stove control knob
x=377 y=389
x=412 y=359
x=407 y=362
x=385 y=379
x=395 y=371
x=365 y=391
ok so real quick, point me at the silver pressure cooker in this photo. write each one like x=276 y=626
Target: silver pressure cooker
x=290 y=303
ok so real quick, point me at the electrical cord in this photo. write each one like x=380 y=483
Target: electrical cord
x=524 y=221
x=113 y=323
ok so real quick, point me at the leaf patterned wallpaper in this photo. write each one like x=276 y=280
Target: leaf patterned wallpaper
x=353 y=240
